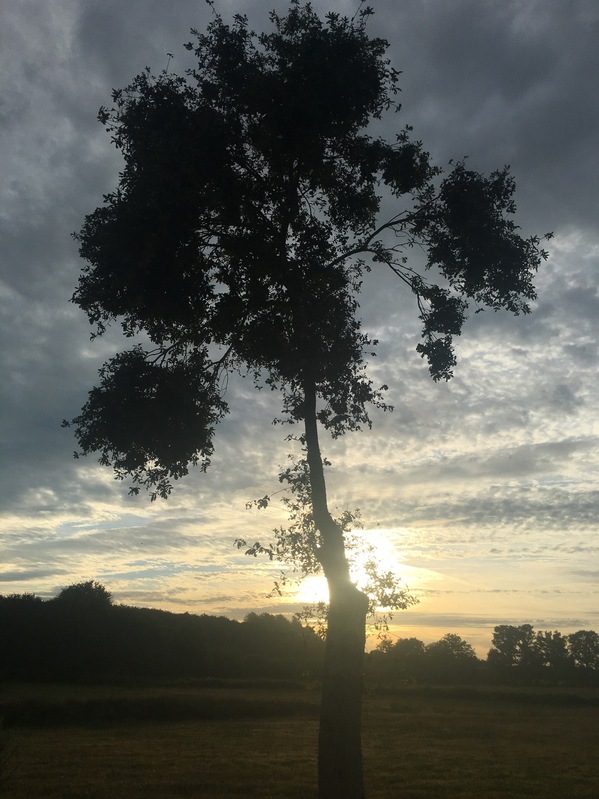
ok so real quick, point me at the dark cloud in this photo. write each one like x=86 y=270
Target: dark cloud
x=31 y=574
x=465 y=621
x=503 y=83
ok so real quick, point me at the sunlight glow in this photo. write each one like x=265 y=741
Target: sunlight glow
x=314 y=589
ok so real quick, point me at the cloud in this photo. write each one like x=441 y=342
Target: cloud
x=503 y=83
x=31 y=574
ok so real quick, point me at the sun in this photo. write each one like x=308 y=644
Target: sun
x=312 y=590
x=365 y=545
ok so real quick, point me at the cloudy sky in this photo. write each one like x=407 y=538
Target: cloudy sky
x=482 y=491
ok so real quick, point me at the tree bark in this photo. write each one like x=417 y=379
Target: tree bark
x=340 y=770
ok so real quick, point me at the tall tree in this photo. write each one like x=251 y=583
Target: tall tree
x=555 y=658
x=246 y=216
x=583 y=646
x=515 y=652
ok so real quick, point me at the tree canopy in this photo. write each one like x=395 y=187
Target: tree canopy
x=90 y=594
x=247 y=213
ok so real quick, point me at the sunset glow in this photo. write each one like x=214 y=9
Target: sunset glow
x=374 y=544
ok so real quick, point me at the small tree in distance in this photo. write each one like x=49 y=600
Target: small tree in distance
x=247 y=215
x=89 y=594
x=583 y=646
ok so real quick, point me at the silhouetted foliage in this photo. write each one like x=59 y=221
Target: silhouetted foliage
x=21 y=598
x=78 y=640
x=515 y=654
x=246 y=216
x=90 y=594
x=58 y=641
x=522 y=656
x=555 y=659
x=450 y=660
x=584 y=651
x=396 y=663
x=519 y=656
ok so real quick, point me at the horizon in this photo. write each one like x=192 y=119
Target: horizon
x=479 y=634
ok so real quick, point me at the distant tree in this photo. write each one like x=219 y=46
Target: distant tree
x=450 y=660
x=515 y=653
x=552 y=648
x=275 y=646
x=90 y=594
x=247 y=214
x=406 y=658
x=21 y=636
x=21 y=598
x=452 y=646
x=511 y=644
x=583 y=646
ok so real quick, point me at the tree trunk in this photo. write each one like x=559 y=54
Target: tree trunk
x=340 y=771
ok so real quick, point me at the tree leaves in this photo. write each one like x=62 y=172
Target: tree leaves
x=151 y=418
x=475 y=244
x=246 y=215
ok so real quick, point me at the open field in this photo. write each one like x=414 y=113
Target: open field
x=252 y=741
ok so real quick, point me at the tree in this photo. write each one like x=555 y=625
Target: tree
x=401 y=661
x=26 y=597
x=552 y=648
x=87 y=595
x=453 y=646
x=583 y=646
x=450 y=660
x=247 y=214
x=274 y=646
x=515 y=651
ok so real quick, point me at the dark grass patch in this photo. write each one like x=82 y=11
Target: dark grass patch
x=157 y=709
x=548 y=697
x=266 y=758
x=417 y=745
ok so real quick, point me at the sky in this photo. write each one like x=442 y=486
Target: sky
x=481 y=492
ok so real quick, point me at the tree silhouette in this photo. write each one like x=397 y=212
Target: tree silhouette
x=515 y=652
x=556 y=660
x=451 y=659
x=247 y=214
x=398 y=662
x=89 y=594
x=583 y=646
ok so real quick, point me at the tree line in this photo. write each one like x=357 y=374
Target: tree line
x=519 y=655
x=82 y=635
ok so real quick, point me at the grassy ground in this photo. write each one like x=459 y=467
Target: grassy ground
x=236 y=741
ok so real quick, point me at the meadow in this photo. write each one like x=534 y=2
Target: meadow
x=249 y=739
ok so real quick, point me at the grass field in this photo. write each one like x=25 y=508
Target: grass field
x=255 y=741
